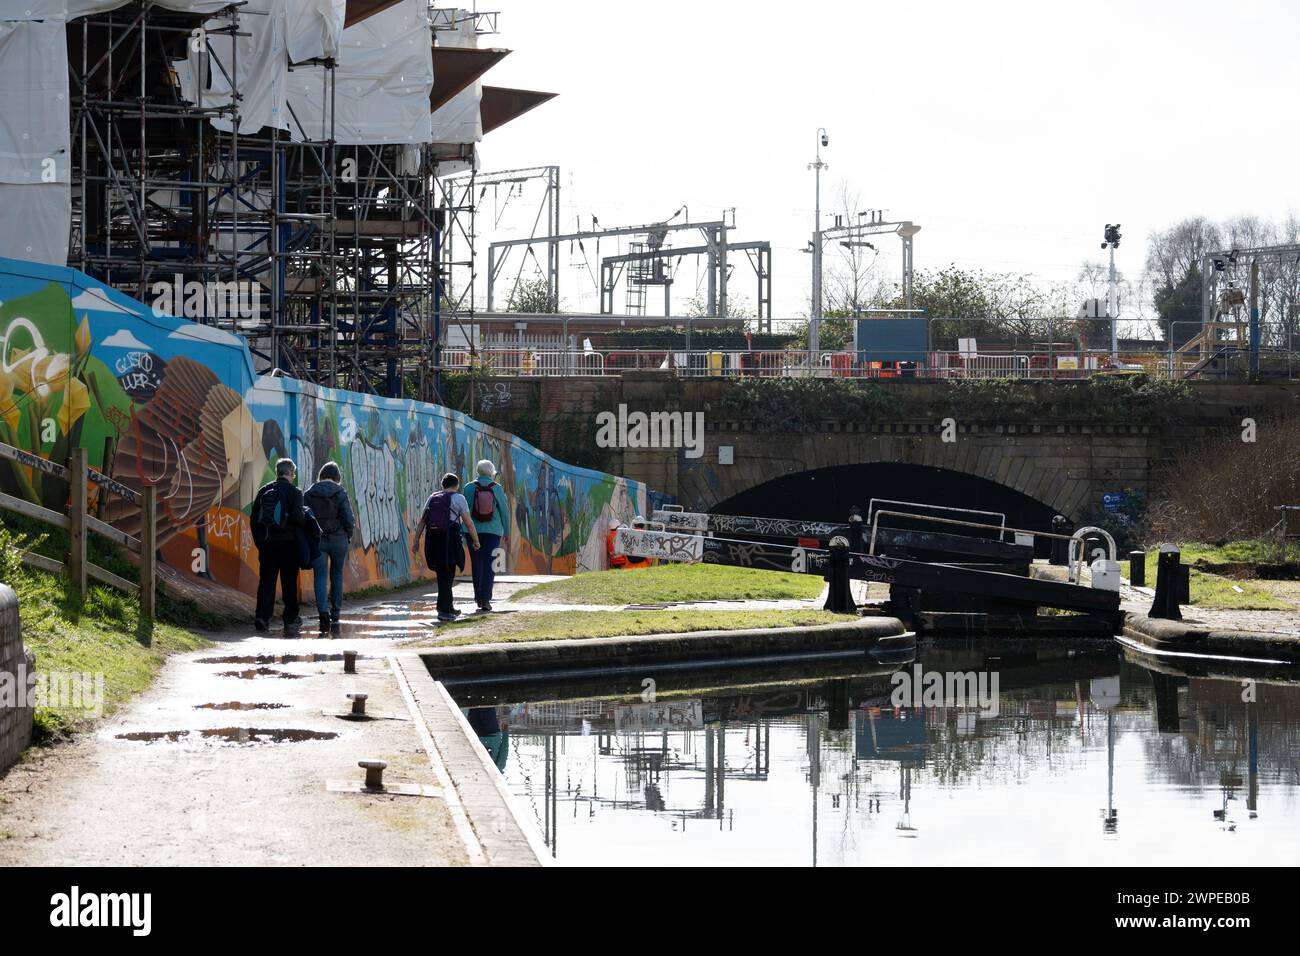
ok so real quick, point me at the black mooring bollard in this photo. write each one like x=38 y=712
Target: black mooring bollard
x=1137 y=569
x=856 y=528
x=839 y=596
x=1060 y=547
x=1169 y=587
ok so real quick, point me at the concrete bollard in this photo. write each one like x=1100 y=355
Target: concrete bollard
x=1169 y=585
x=1137 y=569
x=839 y=596
x=374 y=773
x=349 y=662
x=358 y=704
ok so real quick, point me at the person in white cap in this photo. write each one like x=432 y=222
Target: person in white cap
x=490 y=512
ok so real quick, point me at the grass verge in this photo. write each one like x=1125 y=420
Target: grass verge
x=1214 y=591
x=100 y=635
x=562 y=625
x=674 y=582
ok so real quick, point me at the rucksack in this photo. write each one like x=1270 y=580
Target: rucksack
x=485 y=502
x=272 y=515
x=326 y=508
x=437 y=512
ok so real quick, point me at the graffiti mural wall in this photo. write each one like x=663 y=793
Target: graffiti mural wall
x=162 y=401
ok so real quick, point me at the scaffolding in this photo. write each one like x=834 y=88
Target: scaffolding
x=342 y=246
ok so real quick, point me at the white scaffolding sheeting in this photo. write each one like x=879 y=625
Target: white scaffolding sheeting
x=70 y=9
x=383 y=82
x=457 y=121
x=35 y=177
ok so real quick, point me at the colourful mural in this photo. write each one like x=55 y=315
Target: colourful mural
x=163 y=401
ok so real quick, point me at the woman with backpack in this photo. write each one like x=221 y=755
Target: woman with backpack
x=491 y=516
x=328 y=501
x=444 y=520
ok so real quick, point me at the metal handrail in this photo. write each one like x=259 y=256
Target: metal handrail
x=871 y=507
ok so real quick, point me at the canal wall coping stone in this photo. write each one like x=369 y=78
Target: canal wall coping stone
x=657 y=649
x=1189 y=636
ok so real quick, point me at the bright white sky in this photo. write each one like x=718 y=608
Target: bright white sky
x=1012 y=131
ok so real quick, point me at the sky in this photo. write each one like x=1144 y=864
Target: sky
x=1012 y=132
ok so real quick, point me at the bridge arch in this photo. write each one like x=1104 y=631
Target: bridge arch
x=1058 y=471
x=826 y=494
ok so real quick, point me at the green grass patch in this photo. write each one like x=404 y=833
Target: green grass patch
x=674 y=583
x=562 y=625
x=102 y=634
x=1234 y=552
x=1214 y=591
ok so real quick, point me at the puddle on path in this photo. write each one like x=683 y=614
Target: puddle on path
x=277 y=659
x=257 y=672
x=238 y=705
x=234 y=735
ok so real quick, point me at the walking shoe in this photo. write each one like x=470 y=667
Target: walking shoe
x=486 y=607
x=324 y=623
x=260 y=624
x=335 y=626
x=293 y=628
x=446 y=618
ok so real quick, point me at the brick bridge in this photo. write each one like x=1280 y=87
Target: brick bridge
x=1054 y=450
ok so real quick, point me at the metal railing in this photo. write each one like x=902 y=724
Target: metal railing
x=942 y=364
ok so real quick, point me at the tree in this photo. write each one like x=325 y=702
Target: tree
x=1179 y=303
x=533 y=297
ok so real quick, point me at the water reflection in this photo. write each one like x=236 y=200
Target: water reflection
x=826 y=770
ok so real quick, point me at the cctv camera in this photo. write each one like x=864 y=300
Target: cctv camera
x=826 y=140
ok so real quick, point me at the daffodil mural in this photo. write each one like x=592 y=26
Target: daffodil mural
x=161 y=401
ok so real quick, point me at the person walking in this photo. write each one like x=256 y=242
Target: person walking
x=277 y=518
x=445 y=520
x=490 y=513
x=329 y=501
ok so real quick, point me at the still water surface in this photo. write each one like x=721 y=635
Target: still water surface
x=1091 y=758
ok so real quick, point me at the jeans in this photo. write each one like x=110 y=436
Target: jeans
x=333 y=555
x=277 y=560
x=484 y=572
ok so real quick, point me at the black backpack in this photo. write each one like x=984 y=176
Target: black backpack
x=272 y=511
x=326 y=508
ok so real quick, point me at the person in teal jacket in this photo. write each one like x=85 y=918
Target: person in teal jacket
x=490 y=512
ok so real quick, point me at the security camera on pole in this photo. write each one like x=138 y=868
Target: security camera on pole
x=815 y=323
x=1112 y=300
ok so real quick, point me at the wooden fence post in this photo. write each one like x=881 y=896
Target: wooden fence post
x=78 y=481
x=148 y=550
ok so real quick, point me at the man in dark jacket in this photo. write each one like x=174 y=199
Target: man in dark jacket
x=276 y=518
x=328 y=500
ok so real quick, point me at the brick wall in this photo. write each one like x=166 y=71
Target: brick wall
x=15 y=721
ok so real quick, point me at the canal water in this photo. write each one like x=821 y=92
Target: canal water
x=1064 y=757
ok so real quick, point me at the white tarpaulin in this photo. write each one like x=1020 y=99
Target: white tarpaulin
x=382 y=82
x=457 y=121
x=35 y=190
x=68 y=9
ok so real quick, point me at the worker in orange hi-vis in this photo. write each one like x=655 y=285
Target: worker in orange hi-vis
x=618 y=559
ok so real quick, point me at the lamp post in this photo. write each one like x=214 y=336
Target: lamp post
x=1112 y=299
x=815 y=323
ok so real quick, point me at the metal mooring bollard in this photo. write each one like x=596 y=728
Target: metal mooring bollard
x=374 y=773
x=839 y=596
x=358 y=704
x=1137 y=569
x=349 y=662
x=1169 y=588
x=856 y=528
x=1060 y=547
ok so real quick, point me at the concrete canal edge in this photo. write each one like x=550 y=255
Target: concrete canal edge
x=493 y=829
x=652 y=652
x=1181 y=637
